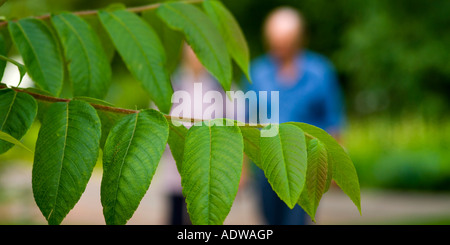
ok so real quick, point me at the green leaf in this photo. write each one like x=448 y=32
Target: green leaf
x=17 y=113
x=177 y=137
x=142 y=52
x=37 y=91
x=89 y=68
x=172 y=40
x=329 y=174
x=3 y=52
x=8 y=138
x=251 y=144
x=40 y=53
x=108 y=118
x=93 y=101
x=66 y=153
x=344 y=172
x=42 y=106
x=316 y=177
x=22 y=69
x=284 y=161
x=130 y=158
x=202 y=36
x=106 y=42
x=211 y=171
x=231 y=33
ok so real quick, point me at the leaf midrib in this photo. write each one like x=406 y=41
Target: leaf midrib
x=62 y=162
x=122 y=164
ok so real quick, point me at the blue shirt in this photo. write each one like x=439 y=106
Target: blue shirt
x=314 y=97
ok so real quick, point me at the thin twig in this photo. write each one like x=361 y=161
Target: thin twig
x=117 y=110
x=94 y=12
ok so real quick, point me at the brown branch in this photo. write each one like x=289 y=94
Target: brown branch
x=117 y=110
x=94 y=12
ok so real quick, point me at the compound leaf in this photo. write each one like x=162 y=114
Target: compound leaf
x=231 y=33
x=202 y=36
x=39 y=49
x=142 y=52
x=17 y=113
x=344 y=172
x=316 y=177
x=284 y=161
x=131 y=155
x=211 y=171
x=66 y=153
x=88 y=67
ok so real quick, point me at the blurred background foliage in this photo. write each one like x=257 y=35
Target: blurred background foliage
x=393 y=61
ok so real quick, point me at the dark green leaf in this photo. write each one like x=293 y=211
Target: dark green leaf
x=316 y=177
x=171 y=39
x=211 y=171
x=66 y=153
x=284 y=161
x=105 y=40
x=344 y=172
x=231 y=33
x=130 y=158
x=89 y=68
x=40 y=53
x=202 y=36
x=17 y=113
x=108 y=119
x=142 y=52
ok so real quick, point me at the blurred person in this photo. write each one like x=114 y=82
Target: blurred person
x=308 y=90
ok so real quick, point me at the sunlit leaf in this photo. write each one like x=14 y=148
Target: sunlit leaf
x=284 y=161
x=211 y=171
x=344 y=172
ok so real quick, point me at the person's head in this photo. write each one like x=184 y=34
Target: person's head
x=284 y=31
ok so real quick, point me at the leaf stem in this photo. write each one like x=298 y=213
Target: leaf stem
x=112 y=109
x=138 y=9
